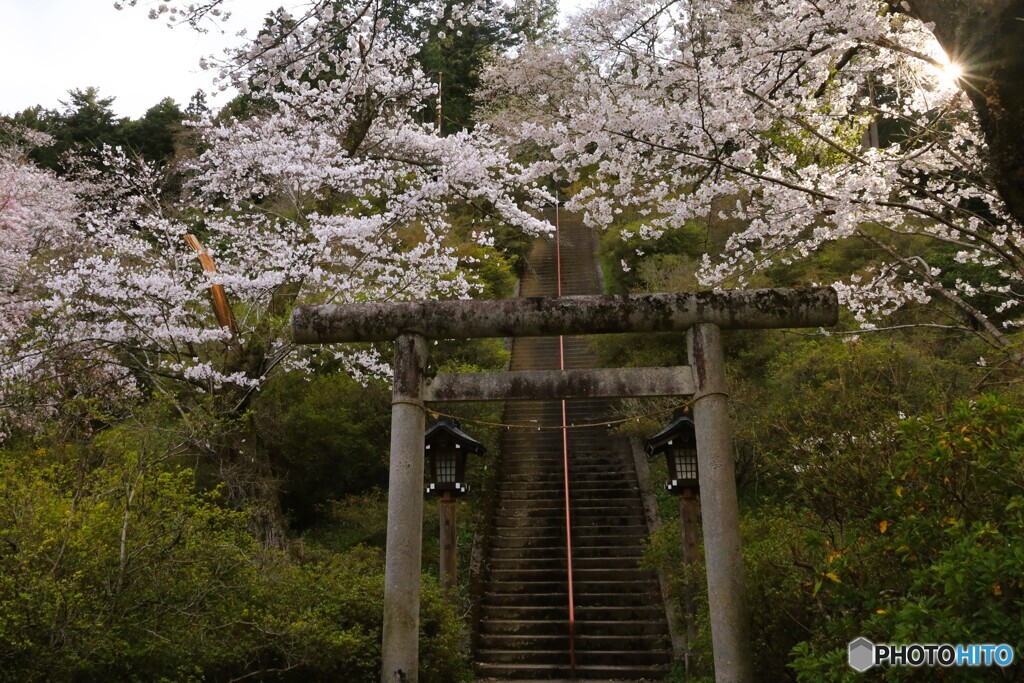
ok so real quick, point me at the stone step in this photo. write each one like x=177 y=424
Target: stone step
x=645 y=656
x=546 y=507
x=555 y=485
x=576 y=480
x=584 y=595
x=614 y=510
x=525 y=626
x=556 y=539
x=584 y=598
x=553 y=533
x=586 y=524
x=560 y=627
x=529 y=642
x=584 y=612
x=619 y=619
x=541 y=526
x=579 y=574
x=554 y=458
x=527 y=554
x=554 y=479
x=533 y=672
x=529 y=606
x=591 y=493
x=511 y=590
x=597 y=520
x=589 y=644
x=655 y=628
x=551 y=455
x=611 y=531
x=529 y=575
x=578 y=562
x=546 y=504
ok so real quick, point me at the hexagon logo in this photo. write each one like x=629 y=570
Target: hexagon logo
x=861 y=654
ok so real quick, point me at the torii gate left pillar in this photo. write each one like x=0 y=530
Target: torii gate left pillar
x=404 y=551
x=703 y=314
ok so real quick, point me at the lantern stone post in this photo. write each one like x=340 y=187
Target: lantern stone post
x=678 y=441
x=449 y=544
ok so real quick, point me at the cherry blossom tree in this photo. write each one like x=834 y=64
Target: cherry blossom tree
x=807 y=123
x=36 y=210
x=332 y=193
x=38 y=213
x=330 y=190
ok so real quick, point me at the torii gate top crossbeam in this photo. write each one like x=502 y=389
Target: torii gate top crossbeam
x=539 y=317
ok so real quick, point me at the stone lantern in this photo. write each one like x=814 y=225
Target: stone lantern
x=678 y=441
x=446 y=447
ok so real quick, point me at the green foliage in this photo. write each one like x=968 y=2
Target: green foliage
x=991 y=287
x=327 y=437
x=492 y=268
x=87 y=122
x=663 y=264
x=663 y=552
x=774 y=585
x=355 y=520
x=858 y=520
x=87 y=119
x=114 y=567
x=819 y=418
x=535 y=20
x=940 y=559
x=154 y=135
x=514 y=246
x=462 y=54
x=321 y=620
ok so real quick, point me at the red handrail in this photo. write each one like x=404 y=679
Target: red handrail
x=565 y=460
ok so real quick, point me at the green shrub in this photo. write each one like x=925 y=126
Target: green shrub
x=114 y=566
x=327 y=437
x=942 y=558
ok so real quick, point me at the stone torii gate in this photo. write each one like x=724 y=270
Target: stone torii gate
x=702 y=314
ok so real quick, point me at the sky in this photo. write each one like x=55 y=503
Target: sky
x=48 y=47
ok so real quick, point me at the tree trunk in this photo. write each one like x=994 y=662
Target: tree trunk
x=252 y=486
x=985 y=37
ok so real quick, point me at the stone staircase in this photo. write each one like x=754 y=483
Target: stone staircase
x=620 y=627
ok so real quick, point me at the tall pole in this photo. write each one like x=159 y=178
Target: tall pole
x=719 y=507
x=404 y=551
x=449 y=547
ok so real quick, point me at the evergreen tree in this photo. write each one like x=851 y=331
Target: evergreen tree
x=88 y=120
x=153 y=136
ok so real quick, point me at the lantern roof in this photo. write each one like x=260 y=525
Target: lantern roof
x=682 y=424
x=449 y=427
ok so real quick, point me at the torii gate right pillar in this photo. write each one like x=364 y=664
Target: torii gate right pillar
x=719 y=507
